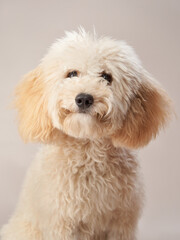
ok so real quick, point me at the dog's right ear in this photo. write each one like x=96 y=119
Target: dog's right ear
x=31 y=103
x=149 y=111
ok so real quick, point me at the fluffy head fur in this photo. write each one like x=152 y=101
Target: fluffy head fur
x=130 y=110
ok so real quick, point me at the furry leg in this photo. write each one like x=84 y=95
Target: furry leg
x=124 y=227
x=122 y=231
x=20 y=229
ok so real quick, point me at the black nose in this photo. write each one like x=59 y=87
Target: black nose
x=84 y=100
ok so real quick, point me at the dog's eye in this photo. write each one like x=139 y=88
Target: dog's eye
x=107 y=77
x=72 y=74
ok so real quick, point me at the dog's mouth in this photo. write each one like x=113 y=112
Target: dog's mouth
x=86 y=105
x=85 y=111
x=99 y=116
x=83 y=123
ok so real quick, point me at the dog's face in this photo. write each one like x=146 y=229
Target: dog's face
x=91 y=88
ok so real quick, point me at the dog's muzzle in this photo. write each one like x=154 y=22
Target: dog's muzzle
x=84 y=101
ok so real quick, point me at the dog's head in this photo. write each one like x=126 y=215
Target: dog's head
x=91 y=88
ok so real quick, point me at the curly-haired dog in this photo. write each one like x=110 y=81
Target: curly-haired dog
x=89 y=101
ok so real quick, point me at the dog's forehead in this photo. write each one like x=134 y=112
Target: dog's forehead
x=89 y=54
x=84 y=53
x=81 y=56
x=84 y=56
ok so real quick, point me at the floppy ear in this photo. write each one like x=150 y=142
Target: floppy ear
x=149 y=110
x=31 y=103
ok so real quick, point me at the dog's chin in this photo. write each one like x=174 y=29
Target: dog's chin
x=82 y=125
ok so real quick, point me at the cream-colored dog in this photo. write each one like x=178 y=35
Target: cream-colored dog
x=89 y=101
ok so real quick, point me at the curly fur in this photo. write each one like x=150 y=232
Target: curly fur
x=85 y=183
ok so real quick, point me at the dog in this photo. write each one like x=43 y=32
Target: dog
x=91 y=103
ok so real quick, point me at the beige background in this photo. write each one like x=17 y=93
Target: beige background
x=153 y=28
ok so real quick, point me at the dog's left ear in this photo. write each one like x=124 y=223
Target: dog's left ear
x=149 y=111
x=31 y=103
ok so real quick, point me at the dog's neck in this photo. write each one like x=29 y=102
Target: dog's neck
x=66 y=140
x=81 y=152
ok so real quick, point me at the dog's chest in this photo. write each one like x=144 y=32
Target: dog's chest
x=88 y=181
